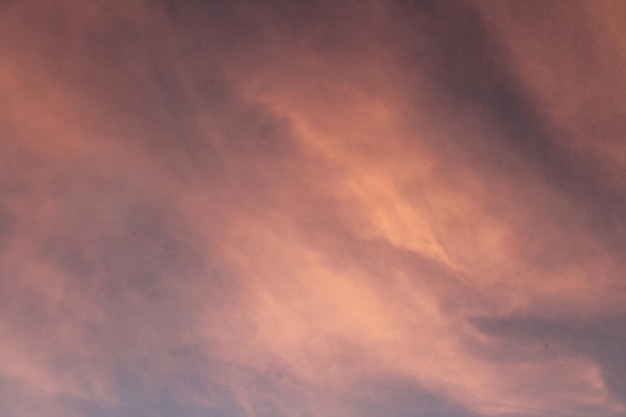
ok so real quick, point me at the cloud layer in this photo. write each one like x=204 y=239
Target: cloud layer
x=312 y=208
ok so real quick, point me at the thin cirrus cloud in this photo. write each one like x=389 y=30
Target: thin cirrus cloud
x=312 y=209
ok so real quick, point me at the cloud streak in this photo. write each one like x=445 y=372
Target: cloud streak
x=311 y=209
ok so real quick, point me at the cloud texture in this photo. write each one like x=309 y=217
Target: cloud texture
x=398 y=208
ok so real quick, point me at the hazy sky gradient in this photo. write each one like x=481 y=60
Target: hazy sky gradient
x=312 y=209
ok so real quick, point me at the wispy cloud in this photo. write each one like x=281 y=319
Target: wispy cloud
x=311 y=209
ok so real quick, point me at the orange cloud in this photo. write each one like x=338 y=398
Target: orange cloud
x=310 y=210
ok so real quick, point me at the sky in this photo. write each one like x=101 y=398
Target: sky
x=312 y=208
